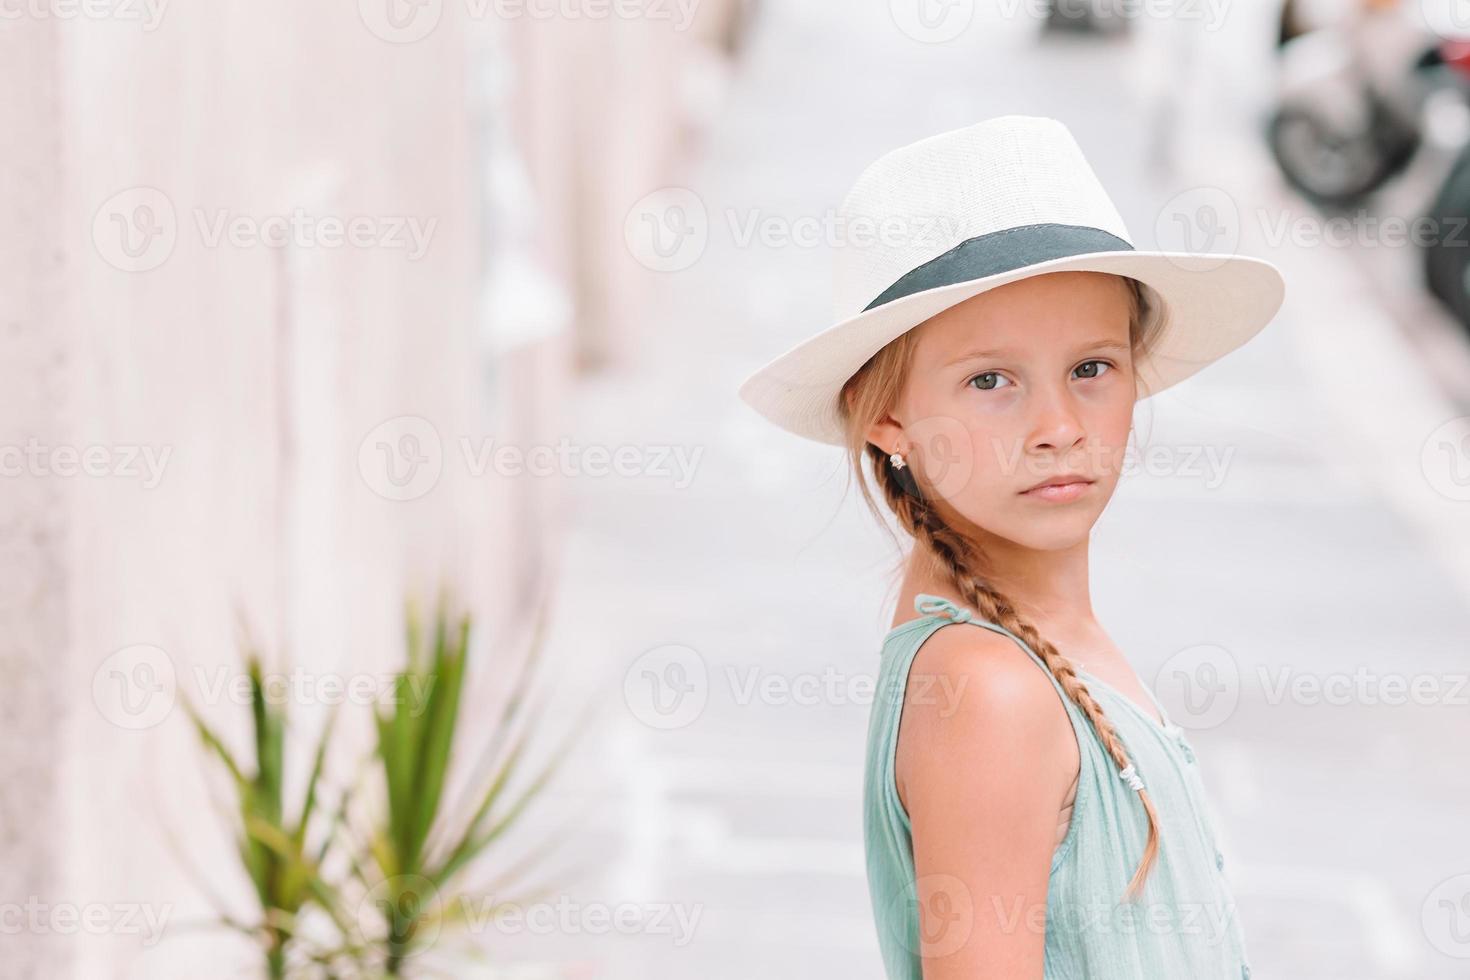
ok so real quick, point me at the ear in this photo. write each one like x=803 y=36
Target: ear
x=887 y=434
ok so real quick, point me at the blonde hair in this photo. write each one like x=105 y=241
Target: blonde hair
x=870 y=395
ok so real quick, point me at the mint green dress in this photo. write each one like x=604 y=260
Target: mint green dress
x=1183 y=926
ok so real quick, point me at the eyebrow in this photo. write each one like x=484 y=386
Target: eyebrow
x=1097 y=345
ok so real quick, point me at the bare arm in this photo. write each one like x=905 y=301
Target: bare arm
x=985 y=757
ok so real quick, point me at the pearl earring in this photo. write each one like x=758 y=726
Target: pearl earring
x=897 y=460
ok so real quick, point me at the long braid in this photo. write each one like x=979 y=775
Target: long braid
x=958 y=556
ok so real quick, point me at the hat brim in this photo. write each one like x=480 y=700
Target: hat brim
x=1215 y=304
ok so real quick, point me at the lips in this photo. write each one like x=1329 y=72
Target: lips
x=1058 y=481
x=1060 y=489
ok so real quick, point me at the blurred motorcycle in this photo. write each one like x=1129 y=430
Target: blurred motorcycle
x=1447 y=253
x=1085 y=17
x=1352 y=98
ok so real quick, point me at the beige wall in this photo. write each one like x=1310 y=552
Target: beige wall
x=259 y=371
x=36 y=519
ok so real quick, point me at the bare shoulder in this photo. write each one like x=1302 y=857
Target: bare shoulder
x=974 y=694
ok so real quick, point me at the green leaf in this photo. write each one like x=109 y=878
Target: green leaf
x=318 y=763
x=435 y=754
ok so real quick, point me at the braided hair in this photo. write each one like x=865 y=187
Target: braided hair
x=868 y=396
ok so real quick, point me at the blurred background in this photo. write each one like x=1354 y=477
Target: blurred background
x=396 y=586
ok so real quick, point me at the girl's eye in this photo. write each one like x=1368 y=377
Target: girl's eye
x=990 y=380
x=987 y=380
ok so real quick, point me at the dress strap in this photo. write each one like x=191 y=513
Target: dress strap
x=932 y=605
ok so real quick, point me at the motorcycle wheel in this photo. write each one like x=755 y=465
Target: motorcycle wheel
x=1335 y=169
x=1082 y=17
x=1447 y=255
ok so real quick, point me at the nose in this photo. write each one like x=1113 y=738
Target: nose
x=1056 y=424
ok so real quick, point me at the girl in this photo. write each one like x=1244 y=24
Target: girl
x=995 y=329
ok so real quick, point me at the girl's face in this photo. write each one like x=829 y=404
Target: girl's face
x=1010 y=388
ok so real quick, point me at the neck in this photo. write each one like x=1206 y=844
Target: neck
x=1049 y=588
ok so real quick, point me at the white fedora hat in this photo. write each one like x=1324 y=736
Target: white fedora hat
x=948 y=217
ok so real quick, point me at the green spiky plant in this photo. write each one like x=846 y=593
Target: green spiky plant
x=417 y=846
x=273 y=845
x=421 y=846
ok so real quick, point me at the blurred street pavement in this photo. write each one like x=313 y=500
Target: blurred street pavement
x=1318 y=552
